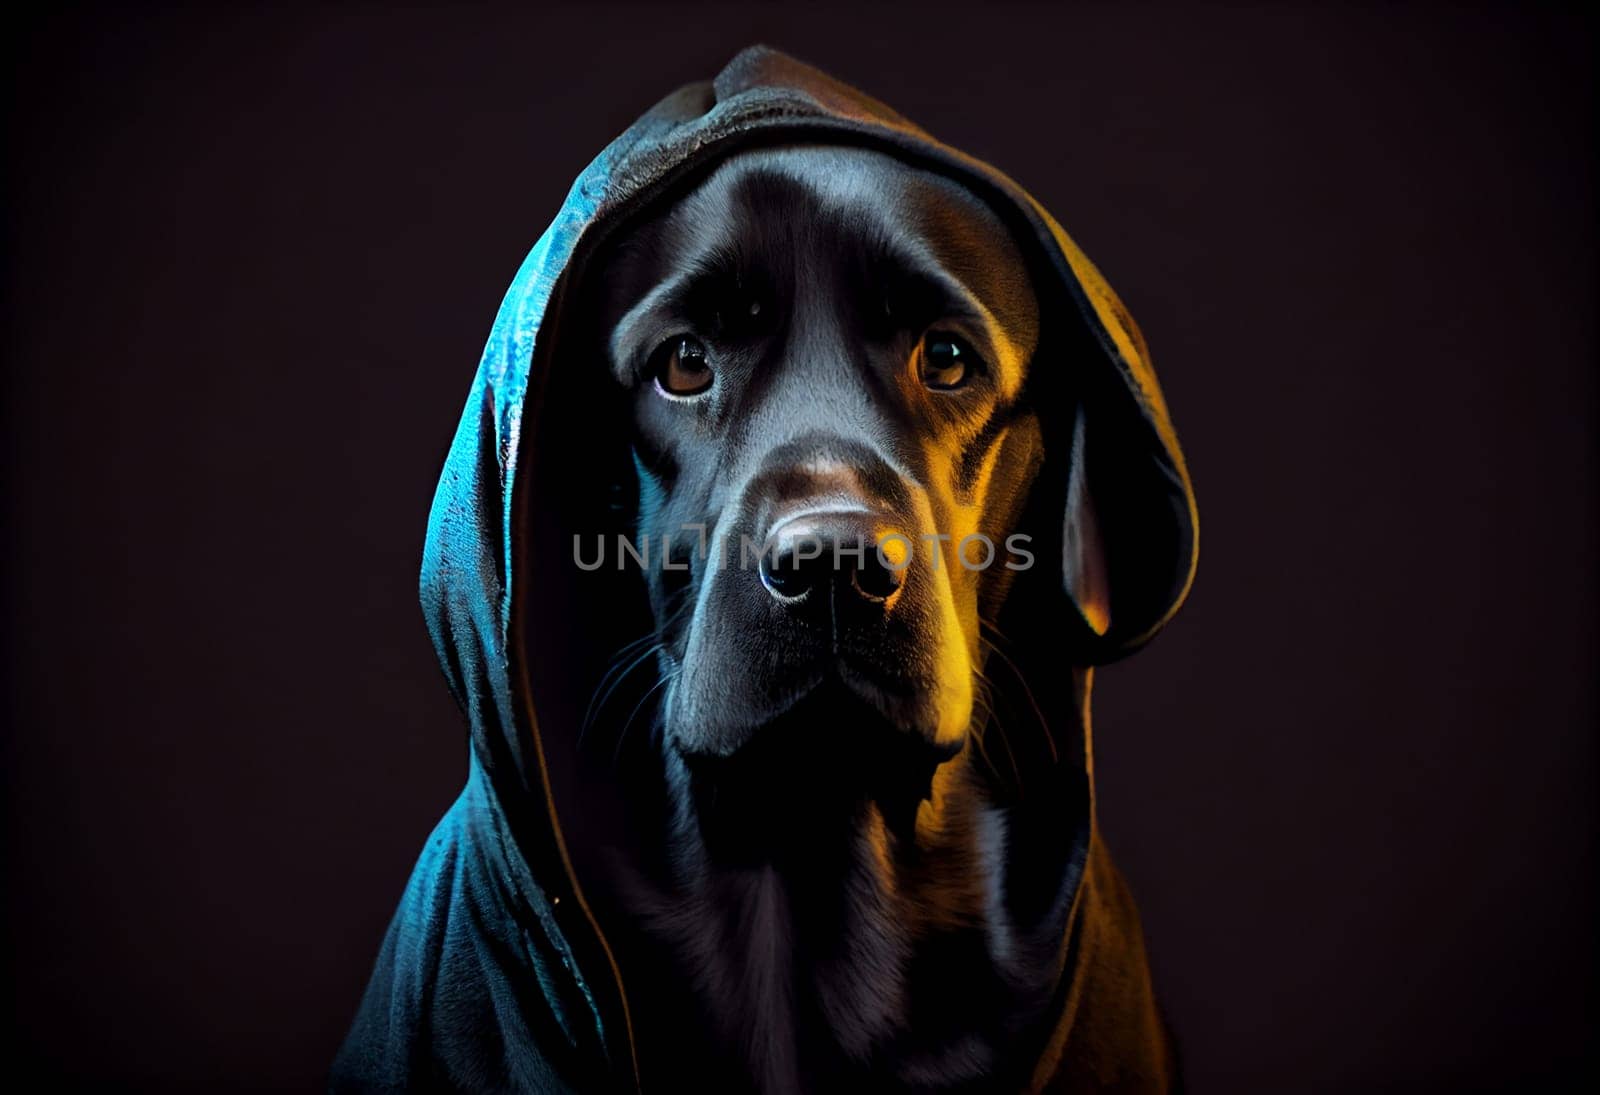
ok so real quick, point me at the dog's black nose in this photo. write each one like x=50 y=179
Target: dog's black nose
x=848 y=554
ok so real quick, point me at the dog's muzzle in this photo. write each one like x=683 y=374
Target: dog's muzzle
x=834 y=616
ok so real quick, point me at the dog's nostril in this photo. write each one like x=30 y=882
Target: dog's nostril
x=787 y=575
x=873 y=580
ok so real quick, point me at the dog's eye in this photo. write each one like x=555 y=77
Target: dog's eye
x=680 y=368
x=947 y=362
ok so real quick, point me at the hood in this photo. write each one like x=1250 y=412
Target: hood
x=477 y=585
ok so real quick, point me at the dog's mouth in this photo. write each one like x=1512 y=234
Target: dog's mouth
x=811 y=771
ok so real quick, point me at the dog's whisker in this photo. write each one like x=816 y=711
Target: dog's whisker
x=979 y=731
x=993 y=629
x=624 y=663
x=616 y=665
x=612 y=681
x=1027 y=692
x=983 y=754
x=662 y=681
x=985 y=715
x=992 y=718
x=984 y=705
x=629 y=648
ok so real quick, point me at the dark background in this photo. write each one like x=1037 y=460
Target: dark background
x=250 y=260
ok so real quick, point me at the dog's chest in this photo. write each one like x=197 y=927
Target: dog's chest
x=891 y=978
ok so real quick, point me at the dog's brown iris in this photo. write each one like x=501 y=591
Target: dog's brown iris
x=947 y=362
x=681 y=368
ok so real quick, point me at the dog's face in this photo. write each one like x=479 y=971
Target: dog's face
x=827 y=352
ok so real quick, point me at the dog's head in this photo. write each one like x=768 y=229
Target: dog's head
x=827 y=352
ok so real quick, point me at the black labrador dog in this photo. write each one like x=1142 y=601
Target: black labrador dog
x=827 y=355
x=899 y=473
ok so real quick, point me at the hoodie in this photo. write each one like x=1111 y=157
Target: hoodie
x=494 y=975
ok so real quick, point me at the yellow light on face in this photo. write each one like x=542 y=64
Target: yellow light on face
x=894 y=549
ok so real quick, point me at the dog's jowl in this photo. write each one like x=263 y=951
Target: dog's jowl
x=809 y=471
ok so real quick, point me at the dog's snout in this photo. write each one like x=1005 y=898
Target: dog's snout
x=849 y=557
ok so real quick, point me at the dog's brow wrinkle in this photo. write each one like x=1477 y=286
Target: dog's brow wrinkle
x=923 y=292
x=718 y=260
x=673 y=300
x=627 y=338
x=988 y=437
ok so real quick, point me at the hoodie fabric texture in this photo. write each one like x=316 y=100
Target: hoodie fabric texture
x=493 y=975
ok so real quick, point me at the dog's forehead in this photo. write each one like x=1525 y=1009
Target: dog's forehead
x=838 y=178
x=820 y=198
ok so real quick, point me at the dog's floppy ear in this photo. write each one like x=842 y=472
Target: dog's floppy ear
x=1083 y=555
x=1128 y=530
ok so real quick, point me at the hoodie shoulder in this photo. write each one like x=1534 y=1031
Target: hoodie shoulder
x=462 y=997
x=1111 y=1036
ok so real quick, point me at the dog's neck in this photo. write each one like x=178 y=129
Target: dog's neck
x=877 y=954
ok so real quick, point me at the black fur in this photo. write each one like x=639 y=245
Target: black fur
x=822 y=891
